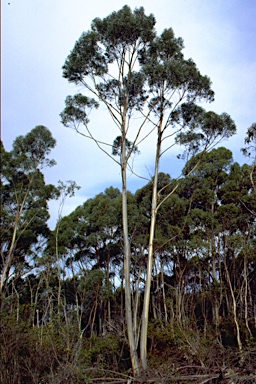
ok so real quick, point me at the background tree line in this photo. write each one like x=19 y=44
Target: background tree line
x=63 y=303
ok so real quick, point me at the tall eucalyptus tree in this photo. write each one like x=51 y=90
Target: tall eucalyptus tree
x=104 y=60
x=132 y=72
x=175 y=85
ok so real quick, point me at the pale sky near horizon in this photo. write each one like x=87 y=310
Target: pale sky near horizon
x=37 y=36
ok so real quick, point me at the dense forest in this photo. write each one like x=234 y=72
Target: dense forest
x=62 y=291
x=156 y=285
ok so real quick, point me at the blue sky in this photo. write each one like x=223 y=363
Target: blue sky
x=38 y=35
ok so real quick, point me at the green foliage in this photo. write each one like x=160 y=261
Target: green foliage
x=98 y=226
x=30 y=151
x=24 y=199
x=250 y=141
x=207 y=223
x=104 y=352
x=122 y=29
x=204 y=130
x=116 y=150
x=77 y=110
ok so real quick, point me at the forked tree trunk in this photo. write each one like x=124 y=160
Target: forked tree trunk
x=127 y=266
x=145 y=313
